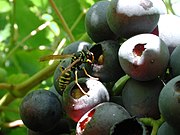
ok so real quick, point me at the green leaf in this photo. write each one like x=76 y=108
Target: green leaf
x=17 y=78
x=40 y=3
x=71 y=10
x=55 y=31
x=5 y=33
x=47 y=17
x=18 y=131
x=12 y=111
x=27 y=21
x=86 y=3
x=4 y=6
x=29 y=61
x=3 y=74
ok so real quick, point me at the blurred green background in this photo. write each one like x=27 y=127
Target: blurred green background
x=30 y=29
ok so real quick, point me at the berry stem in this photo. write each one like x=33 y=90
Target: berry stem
x=27 y=37
x=155 y=124
x=62 y=20
x=19 y=90
x=118 y=86
x=169 y=6
x=76 y=22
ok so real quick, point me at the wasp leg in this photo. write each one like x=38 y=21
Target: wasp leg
x=86 y=73
x=79 y=86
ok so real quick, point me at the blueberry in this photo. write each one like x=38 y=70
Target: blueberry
x=127 y=18
x=76 y=47
x=169 y=102
x=40 y=110
x=76 y=103
x=130 y=126
x=140 y=98
x=100 y=119
x=96 y=22
x=144 y=57
x=106 y=66
x=62 y=127
x=168 y=27
x=166 y=129
x=174 y=62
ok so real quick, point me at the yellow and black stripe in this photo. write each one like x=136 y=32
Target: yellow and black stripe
x=64 y=80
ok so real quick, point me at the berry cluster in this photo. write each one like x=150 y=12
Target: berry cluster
x=131 y=80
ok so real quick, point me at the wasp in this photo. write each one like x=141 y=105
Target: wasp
x=77 y=59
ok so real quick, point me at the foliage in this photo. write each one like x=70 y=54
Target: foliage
x=30 y=29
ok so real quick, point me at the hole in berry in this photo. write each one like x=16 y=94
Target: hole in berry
x=83 y=124
x=155 y=31
x=146 y=4
x=76 y=91
x=128 y=127
x=177 y=86
x=138 y=49
x=98 y=54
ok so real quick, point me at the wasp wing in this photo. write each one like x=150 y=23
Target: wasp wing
x=54 y=57
x=70 y=66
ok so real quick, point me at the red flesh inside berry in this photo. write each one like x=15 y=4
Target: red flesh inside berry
x=82 y=124
x=138 y=49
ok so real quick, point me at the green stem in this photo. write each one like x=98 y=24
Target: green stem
x=12 y=20
x=22 y=89
x=13 y=124
x=16 y=47
x=78 y=20
x=86 y=38
x=119 y=85
x=16 y=64
x=6 y=99
x=62 y=20
x=155 y=124
x=169 y=6
x=19 y=90
x=6 y=108
x=31 y=34
x=6 y=86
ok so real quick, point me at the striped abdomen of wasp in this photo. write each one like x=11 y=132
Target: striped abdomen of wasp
x=77 y=60
x=64 y=80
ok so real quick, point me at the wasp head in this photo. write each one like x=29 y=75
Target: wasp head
x=89 y=57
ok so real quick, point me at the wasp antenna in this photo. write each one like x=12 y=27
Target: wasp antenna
x=45 y=58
